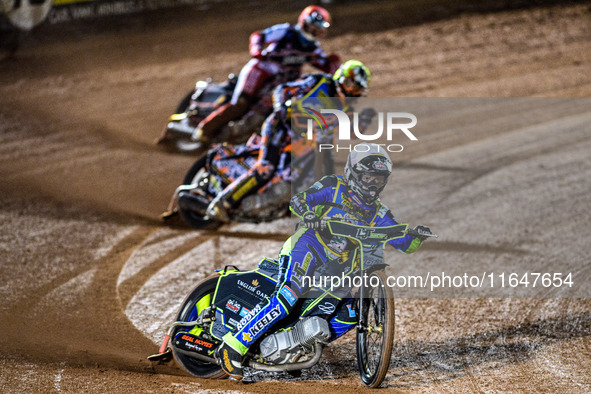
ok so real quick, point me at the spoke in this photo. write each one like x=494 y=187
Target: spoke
x=374 y=335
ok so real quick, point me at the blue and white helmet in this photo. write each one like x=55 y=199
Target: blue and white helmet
x=367 y=172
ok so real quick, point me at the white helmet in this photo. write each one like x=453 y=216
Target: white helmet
x=367 y=171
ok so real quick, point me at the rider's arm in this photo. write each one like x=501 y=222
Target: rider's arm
x=273 y=138
x=288 y=90
x=326 y=63
x=256 y=44
x=281 y=94
x=407 y=244
x=264 y=42
x=317 y=194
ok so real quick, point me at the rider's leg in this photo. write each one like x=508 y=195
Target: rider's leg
x=251 y=79
x=344 y=320
x=171 y=210
x=297 y=259
x=272 y=141
x=252 y=180
x=224 y=114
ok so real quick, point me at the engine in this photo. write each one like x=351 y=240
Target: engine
x=278 y=195
x=287 y=346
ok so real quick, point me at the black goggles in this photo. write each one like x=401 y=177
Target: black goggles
x=373 y=180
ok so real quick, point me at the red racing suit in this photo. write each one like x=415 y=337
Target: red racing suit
x=278 y=55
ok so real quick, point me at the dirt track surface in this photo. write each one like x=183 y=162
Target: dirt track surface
x=90 y=277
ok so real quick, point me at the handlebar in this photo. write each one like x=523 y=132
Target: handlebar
x=414 y=233
x=368 y=234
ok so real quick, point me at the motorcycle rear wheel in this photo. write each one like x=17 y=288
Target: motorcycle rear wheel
x=375 y=338
x=193 y=366
x=195 y=168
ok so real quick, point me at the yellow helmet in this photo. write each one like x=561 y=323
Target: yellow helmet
x=352 y=78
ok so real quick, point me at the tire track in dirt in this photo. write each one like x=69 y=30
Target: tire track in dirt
x=481 y=356
x=92 y=330
x=508 y=161
x=498 y=152
x=129 y=284
x=128 y=287
x=148 y=296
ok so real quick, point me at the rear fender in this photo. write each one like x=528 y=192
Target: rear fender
x=177 y=117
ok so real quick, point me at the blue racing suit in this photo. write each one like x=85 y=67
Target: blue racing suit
x=309 y=250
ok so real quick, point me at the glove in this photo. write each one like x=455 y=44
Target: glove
x=422 y=230
x=367 y=114
x=197 y=134
x=365 y=118
x=312 y=221
x=256 y=46
x=334 y=62
x=282 y=111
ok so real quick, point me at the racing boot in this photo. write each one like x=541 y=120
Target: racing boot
x=169 y=215
x=230 y=360
x=211 y=125
x=199 y=136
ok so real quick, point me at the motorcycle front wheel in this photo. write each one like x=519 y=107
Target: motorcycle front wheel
x=188 y=312
x=185 y=103
x=375 y=333
x=192 y=207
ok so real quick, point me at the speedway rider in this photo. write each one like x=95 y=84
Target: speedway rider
x=350 y=80
x=278 y=55
x=353 y=198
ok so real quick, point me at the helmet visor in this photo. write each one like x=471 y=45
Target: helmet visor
x=369 y=181
x=353 y=88
x=314 y=30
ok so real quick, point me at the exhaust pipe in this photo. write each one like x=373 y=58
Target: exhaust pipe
x=193 y=202
x=179 y=130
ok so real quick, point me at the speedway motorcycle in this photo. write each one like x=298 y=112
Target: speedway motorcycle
x=224 y=301
x=298 y=167
x=206 y=97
